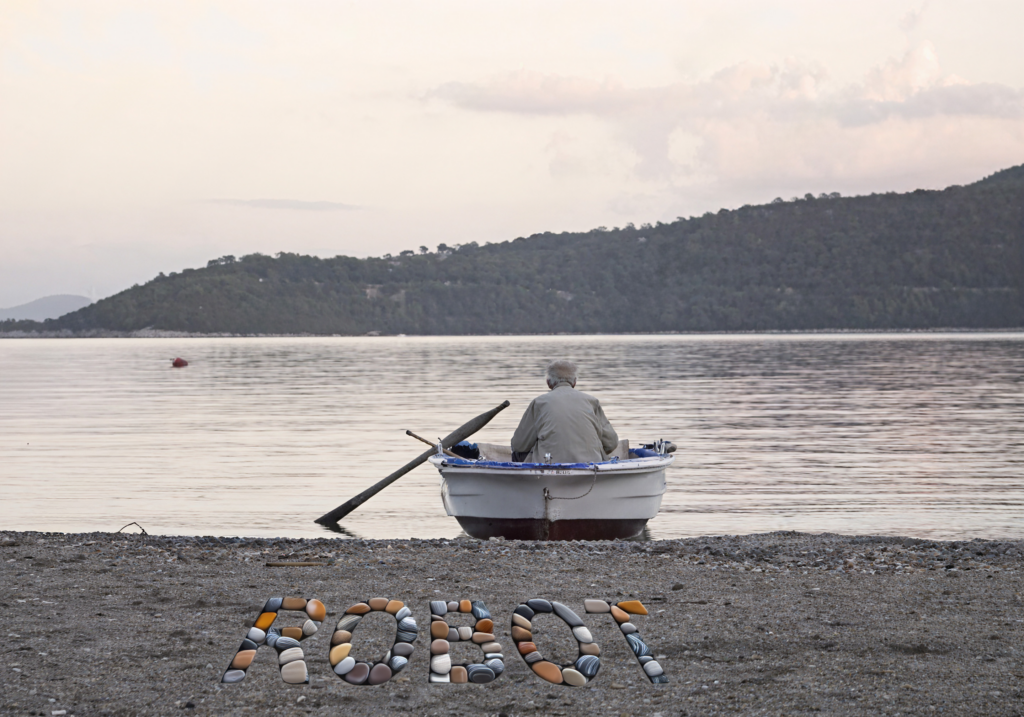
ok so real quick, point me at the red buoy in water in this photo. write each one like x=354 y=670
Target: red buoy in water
x=179 y=363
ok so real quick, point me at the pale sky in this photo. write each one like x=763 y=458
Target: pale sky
x=139 y=137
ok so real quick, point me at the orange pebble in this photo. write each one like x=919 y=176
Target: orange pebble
x=293 y=604
x=394 y=606
x=316 y=610
x=378 y=603
x=525 y=648
x=293 y=632
x=634 y=607
x=358 y=609
x=485 y=625
x=265 y=620
x=465 y=606
x=243 y=658
x=548 y=671
x=619 y=615
x=339 y=653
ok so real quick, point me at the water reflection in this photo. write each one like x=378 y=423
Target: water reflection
x=901 y=434
x=341 y=530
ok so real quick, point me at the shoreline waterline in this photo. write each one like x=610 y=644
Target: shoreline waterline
x=164 y=334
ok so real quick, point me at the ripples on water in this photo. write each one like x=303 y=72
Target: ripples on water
x=910 y=434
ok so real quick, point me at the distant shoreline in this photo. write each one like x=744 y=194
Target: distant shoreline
x=160 y=334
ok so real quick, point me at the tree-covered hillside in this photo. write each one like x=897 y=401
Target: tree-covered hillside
x=927 y=259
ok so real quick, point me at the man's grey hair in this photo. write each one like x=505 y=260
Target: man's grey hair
x=561 y=372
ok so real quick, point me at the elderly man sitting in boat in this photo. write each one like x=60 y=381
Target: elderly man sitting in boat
x=563 y=425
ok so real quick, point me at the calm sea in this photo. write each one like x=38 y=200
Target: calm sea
x=905 y=434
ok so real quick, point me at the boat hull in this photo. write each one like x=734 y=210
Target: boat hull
x=533 y=529
x=603 y=501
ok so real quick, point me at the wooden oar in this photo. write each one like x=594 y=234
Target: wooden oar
x=447 y=452
x=456 y=436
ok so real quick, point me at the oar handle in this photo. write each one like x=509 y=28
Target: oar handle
x=421 y=438
x=458 y=435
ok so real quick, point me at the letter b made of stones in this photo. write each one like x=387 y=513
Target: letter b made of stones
x=482 y=633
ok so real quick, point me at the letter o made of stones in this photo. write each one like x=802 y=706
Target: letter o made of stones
x=361 y=672
x=576 y=674
x=442 y=635
x=293 y=664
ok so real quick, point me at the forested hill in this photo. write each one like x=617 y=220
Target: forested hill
x=927 y=259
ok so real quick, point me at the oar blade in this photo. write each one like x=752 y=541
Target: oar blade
x=459 y=434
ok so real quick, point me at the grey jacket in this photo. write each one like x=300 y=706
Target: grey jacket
x=566 y=423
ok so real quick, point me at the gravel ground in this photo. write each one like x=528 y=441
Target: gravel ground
x=777 y=624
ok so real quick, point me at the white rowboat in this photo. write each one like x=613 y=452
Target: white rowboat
x=494 y=497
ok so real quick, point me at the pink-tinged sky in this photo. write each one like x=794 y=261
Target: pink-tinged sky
x=139 y=137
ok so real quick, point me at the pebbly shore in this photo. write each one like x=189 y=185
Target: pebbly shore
x=777 y=624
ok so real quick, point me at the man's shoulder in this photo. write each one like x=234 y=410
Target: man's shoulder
x=565 y=394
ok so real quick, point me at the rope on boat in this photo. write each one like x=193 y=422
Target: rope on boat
x=593 y=482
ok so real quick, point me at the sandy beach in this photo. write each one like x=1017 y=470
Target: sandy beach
x=778 y=624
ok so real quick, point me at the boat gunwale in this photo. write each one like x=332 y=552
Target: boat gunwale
x=643 y=464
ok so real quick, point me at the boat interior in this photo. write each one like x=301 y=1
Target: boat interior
x=503 y=454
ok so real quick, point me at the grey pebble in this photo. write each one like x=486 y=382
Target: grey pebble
x=570 y=618
x=480 y=674
x=402 y=649
x=480 y=611
x=285 y=643
x=637 y=645
x=588 y=665
x=233 y=676
x=349 y=622
x=525 y=612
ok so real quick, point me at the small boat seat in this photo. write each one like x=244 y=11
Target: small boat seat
x=503 y=454
x=621 y=451
x=495 y=452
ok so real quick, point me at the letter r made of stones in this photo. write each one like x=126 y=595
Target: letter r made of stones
x=285 y=641
x=621 y=613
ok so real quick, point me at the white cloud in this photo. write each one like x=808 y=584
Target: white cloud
x=782 y=119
